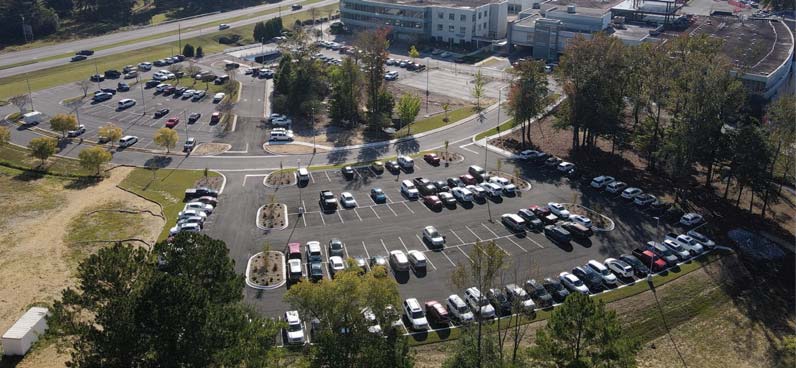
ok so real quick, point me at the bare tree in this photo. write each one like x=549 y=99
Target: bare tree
x=20 y=101
x=84 y=85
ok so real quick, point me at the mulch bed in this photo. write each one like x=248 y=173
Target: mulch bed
x=598 y=220
x=281 y=178
x=449 y=156
x=265 y=276
x=213 y=182
x=273 y=215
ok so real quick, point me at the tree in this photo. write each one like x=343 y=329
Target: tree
x=166 y=138
x=528 y=94
x=778 y=4
x=487 y=259
x=5 y=135
x=478 y=88
x=188 y=50
x=751 y=157
x=373 y=46
x=192 y=69
x=84 y=85
x=259 y=31
x=179 y=305
x=582 y=333
x=408 y=107
x=781 y=115
x=93 y=158
x=342 y=337
x=446 y=107
x=200 y=52
x=110 y=132
x=413 y=53
x=20 y=101
x=346 y=94
x=42 y=148
x=447 y=159
x=63 y=123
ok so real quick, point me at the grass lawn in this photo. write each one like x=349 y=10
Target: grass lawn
x=164 y=186
x=101 y=226
x=73 y=72
x=436 y=121
x=642 y=330
x=503 y=127
x=19 y=158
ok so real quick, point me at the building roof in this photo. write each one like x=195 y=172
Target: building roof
x=26 y=323
x=592 y=4
x=446 y=3
x=760 y=45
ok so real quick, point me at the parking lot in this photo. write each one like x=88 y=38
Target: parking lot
x=137 y=120
x=372 y=229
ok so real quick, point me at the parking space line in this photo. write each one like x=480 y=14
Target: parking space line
x=465 y=254
x=375 y=213
x=340 y=216
x=345 y=249
x=517 y=244
x=422 y=242
x=501 y=248
x=385 y=246
x=448 y=258
x=391 y=210
x=426 y=207
x=357 y=213
x=388 y=198
x=407 y=207
x=324 y=221
x=473 y=232
x=490 y=230
x=312 y=178
x=303 y=218
x=327 y=176
x=534 y=241
x=457 y=236
x=366 y=253
x=374 y=202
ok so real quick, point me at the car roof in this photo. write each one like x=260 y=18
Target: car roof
x=412 y=303
x=292 y=317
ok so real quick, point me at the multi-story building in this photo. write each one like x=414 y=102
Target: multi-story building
x=460 y=22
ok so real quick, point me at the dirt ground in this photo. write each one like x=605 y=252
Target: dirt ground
x=210 y=149
x=291 y=149
x=724 y=328
x=35 y=264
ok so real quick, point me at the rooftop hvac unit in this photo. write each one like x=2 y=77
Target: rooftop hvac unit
x=571 y=8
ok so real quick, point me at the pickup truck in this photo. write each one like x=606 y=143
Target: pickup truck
x=650 y=259
x=328 y=201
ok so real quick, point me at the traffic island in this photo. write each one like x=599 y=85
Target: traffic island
x=450 y=157
x=521 y=184
x=281 y=177
x=266 y=270
x=209 y=149
x=599 y=222
x=272 y=216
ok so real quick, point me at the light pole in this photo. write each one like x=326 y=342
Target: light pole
x=312 y=121
x=300 y=204
x=481 y=119
x=500 y=94
x=428 y=66
x=143 y=100
x=30 y=94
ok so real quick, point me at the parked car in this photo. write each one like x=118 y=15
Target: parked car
x=433 y=202
x=538 y=293
x=601 y=181
x=417 y=259
x=336 y=248
x=347 y=200
x=200 y=192
x=499 y=301
x=478 y=192
x=530 y=155
x=462 y=194
x=643 y=200
x=378 y=196
x=436 y=312
x=431 y=158
x=328 y=201
x=408 y=189
x=406 y=162
x=706 y=242
x=476 y=172
x=606 y=275
x=336 y=265
x=557 y=234
x=101 y=96
x=190 y=143
x=295 y=328
x=468 y=179
x=378 y=261
x=77 y=131
x=415 y=315
x=591 y=279
x=399 y=261
x=479 y=303
x=513 y=222
x=556 y=290
x=530 y=218
x=691 y=219
x=616 y=187
x=519 y=298
x=392 y=165
x=618 y=267
x=582 y=220
x=447 y=199
x=680 y=251
x=573 y=283
x=432 y=236
x=458 y=309
x=559 y=210
x=649 y=257
x=630 y=193
x=172 y=122
x=687 y=242
x=454 y=182
x=565 y=167
x=161 y=113
x=639 y=268
x=577 y=230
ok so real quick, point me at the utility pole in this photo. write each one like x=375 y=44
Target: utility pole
x=30 y=93
x=312 y=121
x=143 y=100
x=481 y=119
x=96 y=70
x=179 y=36
x=428 y=66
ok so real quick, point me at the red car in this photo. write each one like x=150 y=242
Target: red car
x=215 y=117
x=172 y=122
x=436 y=312
x=468 y=179
x=649 y=258
x=431 y=158
x=432 y=202
x=540 y=211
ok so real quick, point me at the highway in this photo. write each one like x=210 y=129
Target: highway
x=71 y=47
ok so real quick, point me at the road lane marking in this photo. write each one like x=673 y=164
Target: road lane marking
x=490 y=230
x=407 y=207
x=473 y=232
x=467 y=149
x=465 y=254
x=327 y=176
x=449 y=258
x=366 y=253
x=457 y=236
x=324 y=221
x=345 y=248
x=422 y=242
x=534 y=241
x=312 y=178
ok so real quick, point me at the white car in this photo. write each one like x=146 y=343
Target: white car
x=162 y=87
x=604 y=272
x=188 y=94
x=619 y=267
x=190 y=228
x=415 y=314
x=477 y=191
x=207 y=208
x=198 y=95
x=78 y=131
x=479 y=303
x=432 y=236
x=409 y=190
x=632 y=192
x=406 y=162
x=462 y=194
x=601 y=181
x=191 y=213
x=518 y=295
x=690 y=243
x=398 y=261
x=702 y=239
x=347 y=200
x=615 y=187
x=530 y=154
x=294 y=329
x=191 y=220
x=459 y=309
x=677 y=249
x=580 y=219
x=566 y=167
x=446 y=198
x=218 y=97
x=691 y=219
x=494 y=190
x=391 y=75
x=504 y=184
x=573 y=283
x=559 y=210
x=336 y=264
x=417 y=259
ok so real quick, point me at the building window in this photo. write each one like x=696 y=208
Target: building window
x=451 y=29
x=462 y=30
x=463 y=18
x=451 y=16
x=479 y=15
x=441 y=15
x=473 y=17
x=439 y=27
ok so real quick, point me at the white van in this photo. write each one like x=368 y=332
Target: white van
x=125 y=103
x=281 y=135
x=128 y=141
x=409 y=190
x=406 y=162
x=32 y=118
x=303 y=175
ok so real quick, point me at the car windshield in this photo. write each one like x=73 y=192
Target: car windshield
x=483 y=302
x=377 y=191
x=294 y=327
x=605 y=272
x=555 y=286
x=336 y=245
x=577 y=282
x=417 y=314
x=462 y=309
x=433 y=233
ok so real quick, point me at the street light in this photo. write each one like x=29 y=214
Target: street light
x=481 y=119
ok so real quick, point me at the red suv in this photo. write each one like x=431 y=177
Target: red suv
x=468 y=179
x=215 y=117
x=172 y=122
x=433 y=202
x=431 y=158
x=436 y=312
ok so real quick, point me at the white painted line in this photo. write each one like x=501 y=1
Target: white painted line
x=534 y=241
x=304 y=219
x=422 y=242
x=473 y=232
x=357 y=213
x=371 y=199
x=345 y=249
x=327 y=176
x=312 y=178
x=501 y=248
x=366 y=253
x=448 y=258
x=252 y=175
x=465 y=254
x=490 y=230
x=407 y=207
x=388 y=198
x=457 y=236
x=426 y=207
x=404 y=244
x=467 y=149
x=391 y=210
x=340 y=216
x=324 y=221
x=517 y=244
x=375 y=213
x=385 y=246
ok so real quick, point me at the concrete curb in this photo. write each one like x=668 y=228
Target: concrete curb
x=252 y=285
x=261 y=227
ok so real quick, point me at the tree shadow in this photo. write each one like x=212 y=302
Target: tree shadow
x=408 y=145
x=30 y=175
x=83 y=183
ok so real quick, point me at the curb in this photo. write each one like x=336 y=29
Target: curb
x=261 y=227
x=252 y=285
x=265 y=180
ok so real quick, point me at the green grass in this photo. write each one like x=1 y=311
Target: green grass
x=435 y=121
x=502 y=128
x=73 y=72
x=645 y=329
x=164 y=186
x=19 y=158
x=105 y=225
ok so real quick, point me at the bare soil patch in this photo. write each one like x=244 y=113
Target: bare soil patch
x=451 y=157
x=287 y=149
x=281 y=178
x=272 y=216
x=267 y=268
x=213 y=182
x=210 y=149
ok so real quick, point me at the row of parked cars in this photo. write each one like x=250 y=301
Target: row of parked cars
x=200 y=204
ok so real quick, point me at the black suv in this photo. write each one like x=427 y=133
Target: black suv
x=200 y=192
x=538 y=293
x=161 y=113
x=555 y=289
x=441 y=186
x=348 y=172
x=639 y=268
x=592 y=279
x=112 y=74
x=328 y=201
x=530 y=218
x=557 y=233
x=499 y=300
